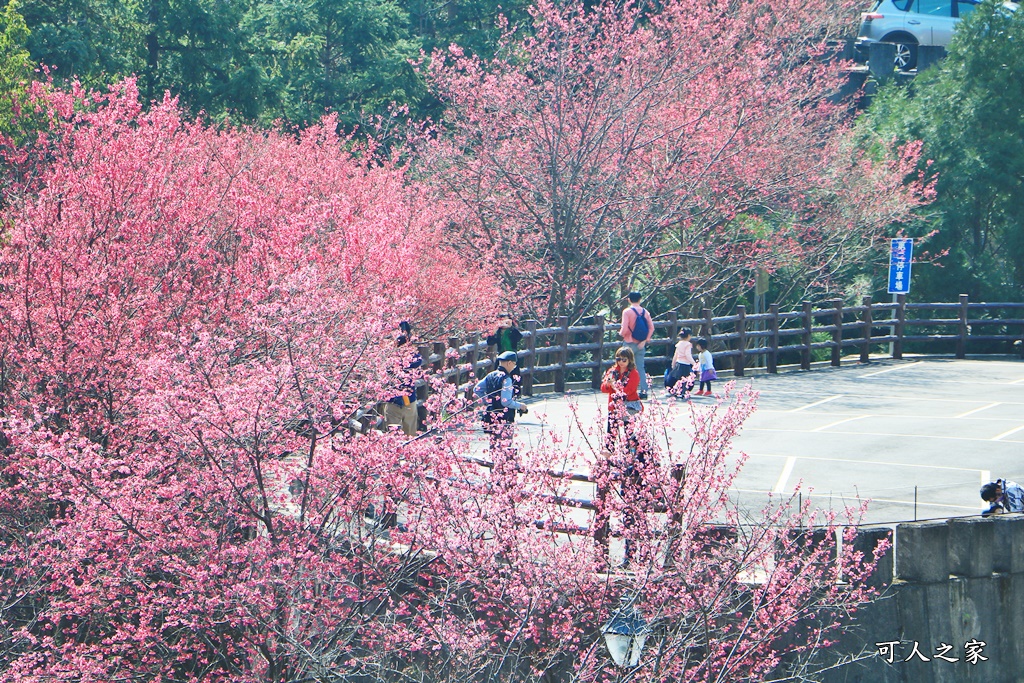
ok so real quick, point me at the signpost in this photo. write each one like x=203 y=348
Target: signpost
x=901 y=255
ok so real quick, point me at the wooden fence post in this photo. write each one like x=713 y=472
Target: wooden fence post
x=865 y=348
x=741 y=341
x=439 y=348
x=453 y=362
x=961 y=343
x=563 y=354
x=773 y=354
x=901 y=316
x=601 y=528
x=472 y=354
x=837 y=334
x=423 y=390
x=598 y=355
x=673 y=332
x=805 y=353
x=708 y=326
x=531 y=361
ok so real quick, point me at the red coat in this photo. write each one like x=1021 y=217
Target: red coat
x=619 y=388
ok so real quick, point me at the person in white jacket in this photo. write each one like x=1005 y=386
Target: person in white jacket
x=682 y=365
x=707 y=367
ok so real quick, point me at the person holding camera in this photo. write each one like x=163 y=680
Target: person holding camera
x=1002 y=496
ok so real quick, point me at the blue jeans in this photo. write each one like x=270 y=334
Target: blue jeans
x=638 y=355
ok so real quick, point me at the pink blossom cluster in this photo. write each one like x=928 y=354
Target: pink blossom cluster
x=190 y=314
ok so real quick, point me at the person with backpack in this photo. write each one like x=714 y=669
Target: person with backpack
x=497 y=391
x=636 y=331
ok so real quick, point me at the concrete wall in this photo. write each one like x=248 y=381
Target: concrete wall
x=943 y=583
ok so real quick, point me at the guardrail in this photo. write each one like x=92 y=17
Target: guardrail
x=555 y=356
x=559 y=353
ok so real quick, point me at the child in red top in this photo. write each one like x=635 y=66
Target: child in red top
x=621 y=383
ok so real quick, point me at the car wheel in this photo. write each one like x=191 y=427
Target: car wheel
x=906 y=56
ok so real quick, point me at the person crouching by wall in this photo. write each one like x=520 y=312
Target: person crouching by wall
x=1002 y=496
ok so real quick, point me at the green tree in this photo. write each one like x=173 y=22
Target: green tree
x=203 y=52
x=15 y=63
x=349 y=56
x=474 y=25
x=969 y=113
x=92 y=40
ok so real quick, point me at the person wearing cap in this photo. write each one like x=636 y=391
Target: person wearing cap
x=497 y=391
x=1003 y=496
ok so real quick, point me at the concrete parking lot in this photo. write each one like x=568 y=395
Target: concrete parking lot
x=917 y=437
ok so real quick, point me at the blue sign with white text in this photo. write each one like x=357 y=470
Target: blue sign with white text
x=900 y=257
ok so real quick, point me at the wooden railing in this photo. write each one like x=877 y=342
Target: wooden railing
x=554 y=357
x=562 y=354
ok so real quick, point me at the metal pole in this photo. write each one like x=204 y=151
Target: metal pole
x=915 y=503
x=892 y=328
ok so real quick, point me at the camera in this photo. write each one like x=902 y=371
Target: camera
x=993 y=509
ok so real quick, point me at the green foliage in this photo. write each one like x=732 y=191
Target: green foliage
x=969 y=112
x=474 y=25
x=349 y=56
x=91 y=39
x=15 y=64
x=263 y=60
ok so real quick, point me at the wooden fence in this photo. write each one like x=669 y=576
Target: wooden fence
x=554 y=357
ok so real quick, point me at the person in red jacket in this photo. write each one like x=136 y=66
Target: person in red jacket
x=621 y=383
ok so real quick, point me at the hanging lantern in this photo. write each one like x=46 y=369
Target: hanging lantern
x=625 y=635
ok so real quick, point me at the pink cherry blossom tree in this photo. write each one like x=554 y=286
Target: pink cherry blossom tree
x=667 y=144
x=189 y=316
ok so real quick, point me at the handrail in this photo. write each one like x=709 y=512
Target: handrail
x=742 y=339
x=561 y=353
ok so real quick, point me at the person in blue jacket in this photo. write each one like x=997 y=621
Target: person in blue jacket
x=497 y=391
x=1003 y=496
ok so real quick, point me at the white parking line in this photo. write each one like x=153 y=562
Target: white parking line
x=879 y=372
x=816 y=403
x=977 y=410
x=883 y=463
x=875 y=434
x=787 y=470
x=921 y=504
x=1017 y=381
x=1008 y=433
x=839 y=422
x=986 y=477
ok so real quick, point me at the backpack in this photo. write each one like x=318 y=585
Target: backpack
x=640 y=328
x=493 y=383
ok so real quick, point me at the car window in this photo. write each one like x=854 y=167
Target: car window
x=933 y=8
x=965 y=7
x=901 y=5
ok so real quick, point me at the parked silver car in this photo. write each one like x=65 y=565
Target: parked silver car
x=909 y=23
